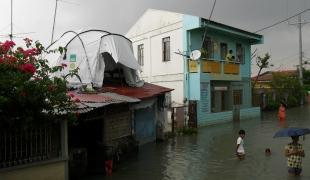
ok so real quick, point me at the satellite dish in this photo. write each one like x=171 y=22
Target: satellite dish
x=195 y=55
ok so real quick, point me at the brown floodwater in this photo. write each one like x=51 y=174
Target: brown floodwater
x=209 y=155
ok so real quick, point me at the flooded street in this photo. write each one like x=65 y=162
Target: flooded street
x=210 y=153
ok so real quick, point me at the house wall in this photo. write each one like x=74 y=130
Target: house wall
x=253 y=112
x=50 y=171
x=198 y=85
x=149 y=31
x=116 y=124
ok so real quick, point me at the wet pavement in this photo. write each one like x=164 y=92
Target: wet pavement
x=210 y=154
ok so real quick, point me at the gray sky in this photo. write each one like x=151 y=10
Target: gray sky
x=119 y=15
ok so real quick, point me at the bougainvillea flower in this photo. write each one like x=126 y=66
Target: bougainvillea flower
x=11 y=59
x=6 y=46
x=30 y=52
x=28 y=68
x=77 y=100
x=71 y=95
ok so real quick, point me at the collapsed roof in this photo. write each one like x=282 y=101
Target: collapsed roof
x=93 y=52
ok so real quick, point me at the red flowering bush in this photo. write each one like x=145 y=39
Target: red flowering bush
x=27 y=92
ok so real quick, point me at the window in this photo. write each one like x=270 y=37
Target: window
x=237 y=95
x=208 y=46
x=240 y=53
x=166 y=48
x=223 y=51
x=140 y=54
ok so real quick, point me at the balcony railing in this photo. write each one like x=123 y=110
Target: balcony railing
x=214 y=66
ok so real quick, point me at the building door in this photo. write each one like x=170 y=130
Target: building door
x=145 y=125
x=192 y=113
x=237 y=101
x=223 y=101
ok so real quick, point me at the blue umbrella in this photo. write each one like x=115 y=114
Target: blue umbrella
x=292 y=131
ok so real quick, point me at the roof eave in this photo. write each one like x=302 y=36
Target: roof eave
x=252 y=37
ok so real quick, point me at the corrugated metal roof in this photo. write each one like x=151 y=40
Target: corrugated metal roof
x=88 y=102
x=94 y=98
x=146 y=91
x=114 y=94
x=121 y=97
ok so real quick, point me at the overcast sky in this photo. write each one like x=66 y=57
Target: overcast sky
x=36 y=18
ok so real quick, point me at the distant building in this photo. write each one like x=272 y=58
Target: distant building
x=264 y=80
x=265 y=91
x=214 y=86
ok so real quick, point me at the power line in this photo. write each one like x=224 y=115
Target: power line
x=279 y=22
x=205 y=33
x=212 y=10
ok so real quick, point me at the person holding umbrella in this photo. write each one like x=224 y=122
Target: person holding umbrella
x=293 y=151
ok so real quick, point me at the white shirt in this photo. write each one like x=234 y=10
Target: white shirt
x=240 y=148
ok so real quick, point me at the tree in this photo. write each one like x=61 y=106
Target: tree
x=306 y=77
x=27 y=92
x=287 y=87
x=262 y=63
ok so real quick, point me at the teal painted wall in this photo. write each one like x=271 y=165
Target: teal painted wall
x=213 y=118
x=194 y=83
x=189 y=22
x=198 y=85
x=243 y=85
x=196 y=37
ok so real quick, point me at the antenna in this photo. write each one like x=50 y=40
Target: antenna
x=11 y=35
x=55 y=13
x=54 y=22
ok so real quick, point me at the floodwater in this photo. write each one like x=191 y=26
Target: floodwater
x=209 y=155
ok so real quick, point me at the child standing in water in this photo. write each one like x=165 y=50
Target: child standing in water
x=282 y=111
x=240 y=149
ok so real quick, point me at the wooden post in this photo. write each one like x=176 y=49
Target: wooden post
x=172 y=119
x=64 y=146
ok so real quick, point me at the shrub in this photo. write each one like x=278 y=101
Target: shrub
x=27 y=92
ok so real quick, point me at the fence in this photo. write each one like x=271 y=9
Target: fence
x=19 y=147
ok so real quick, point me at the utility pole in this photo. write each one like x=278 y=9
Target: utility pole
x=300 y=52
x=299 y=25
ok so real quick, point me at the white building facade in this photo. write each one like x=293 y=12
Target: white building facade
x=215 y=90
x=155 y=37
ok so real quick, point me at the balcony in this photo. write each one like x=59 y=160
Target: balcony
x=218 y=69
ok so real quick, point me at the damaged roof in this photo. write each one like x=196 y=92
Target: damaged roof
x=146 y=91
x=115 y=94
x=88 y=102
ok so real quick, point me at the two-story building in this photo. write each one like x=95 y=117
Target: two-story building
x=220 y=89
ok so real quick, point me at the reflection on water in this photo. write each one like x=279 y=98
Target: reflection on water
x=210 y=154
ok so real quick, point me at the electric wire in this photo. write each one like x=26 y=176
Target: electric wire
x=206 y=25
x=279 y=22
